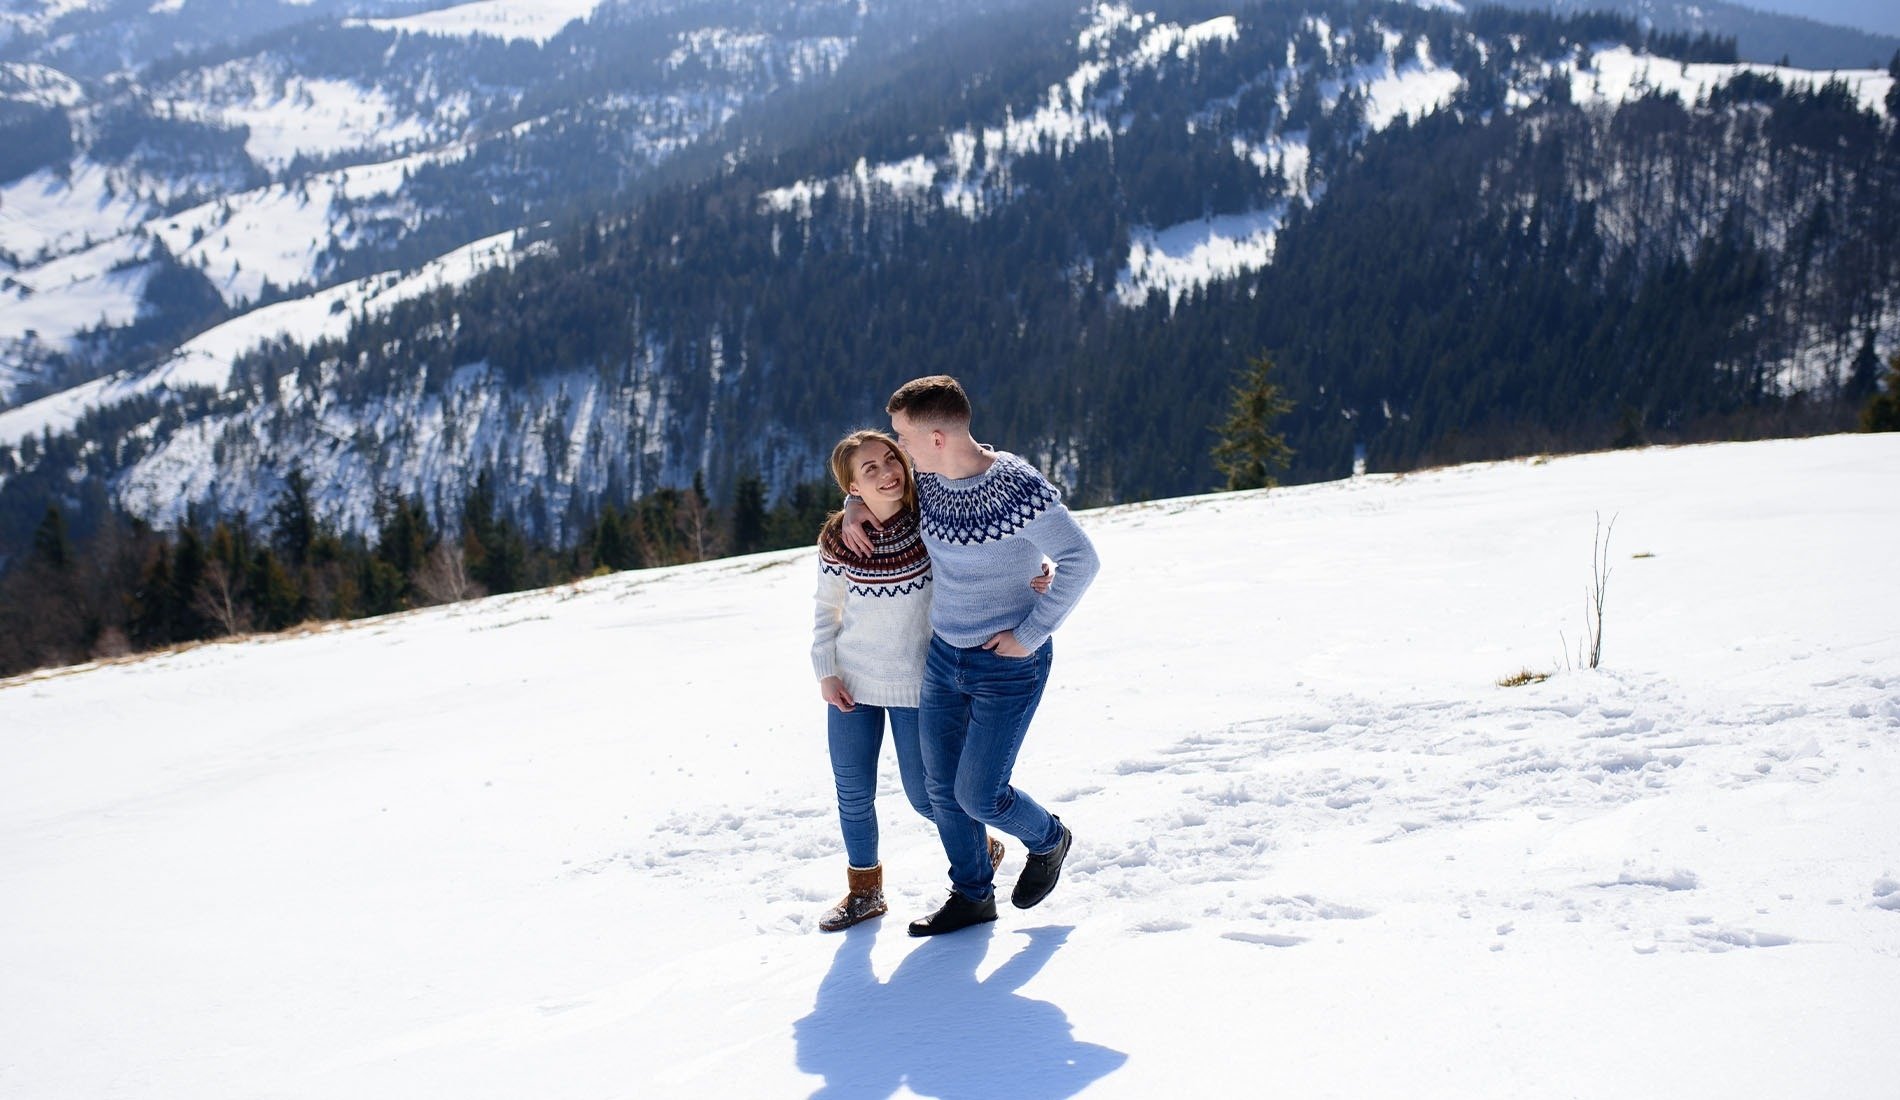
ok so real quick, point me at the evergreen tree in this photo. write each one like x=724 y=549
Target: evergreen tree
x=1250 y=450
x=1882 y=413
x=748 y=514
x=293 y=522
x=1893 y=90
x=52 y=550
x=404 y=537
x=1863 y=378
x=275 y=595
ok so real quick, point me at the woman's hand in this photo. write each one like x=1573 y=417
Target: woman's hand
x=856 y=515
x=1041 y=581
x=834 y=692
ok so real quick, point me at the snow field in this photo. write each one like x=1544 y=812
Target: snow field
x=103 y=285
x=535 y=21
x=575 y=842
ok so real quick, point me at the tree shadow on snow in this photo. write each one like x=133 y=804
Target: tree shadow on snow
x=938 y=1029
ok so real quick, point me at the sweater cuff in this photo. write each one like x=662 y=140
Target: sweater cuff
x=824 y=665
x=1030 y=637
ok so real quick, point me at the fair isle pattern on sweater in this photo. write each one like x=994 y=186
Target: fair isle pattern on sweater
x=898 y=564
x=1002 y=504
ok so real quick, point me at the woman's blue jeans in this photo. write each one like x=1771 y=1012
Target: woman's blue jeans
x=976 y=710
x=857 y=737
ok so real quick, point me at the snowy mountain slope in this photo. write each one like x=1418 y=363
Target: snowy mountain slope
x=206 y=360
x=1119 y=43
x=27 y=82
x=99 y=38
x=339 y=150
x=573 y=843
x=282 y=235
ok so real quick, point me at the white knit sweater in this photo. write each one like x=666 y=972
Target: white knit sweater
x=872 y=623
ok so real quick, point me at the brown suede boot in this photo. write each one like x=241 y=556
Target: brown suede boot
x=866 y=900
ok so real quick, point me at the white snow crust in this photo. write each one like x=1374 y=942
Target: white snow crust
x=573 y=843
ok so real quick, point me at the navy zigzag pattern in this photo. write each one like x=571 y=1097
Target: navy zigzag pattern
x=1004 y=503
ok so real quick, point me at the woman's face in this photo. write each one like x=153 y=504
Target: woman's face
x=878 y=472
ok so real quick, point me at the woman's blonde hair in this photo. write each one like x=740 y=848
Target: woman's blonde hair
x=844 y=474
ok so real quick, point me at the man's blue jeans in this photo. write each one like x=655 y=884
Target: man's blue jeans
x=856 y=740
x=976 y=709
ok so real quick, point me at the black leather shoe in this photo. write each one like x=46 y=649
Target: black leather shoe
x=1040 y=872
x=957 y=912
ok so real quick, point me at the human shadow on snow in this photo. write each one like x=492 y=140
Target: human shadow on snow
x=939 y=1030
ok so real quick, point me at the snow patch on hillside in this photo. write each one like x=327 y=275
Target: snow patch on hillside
x=49 y=213
x=101 y=286
x=1287 y=153
x=513 y=20
x=1193 y=254
x=1620 y=75
x=31 y=82
x=283 y=233
x=290 y=115
x=1171 y=40
x=1414 y=86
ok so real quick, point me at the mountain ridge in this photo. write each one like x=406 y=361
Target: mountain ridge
x=1212 y=159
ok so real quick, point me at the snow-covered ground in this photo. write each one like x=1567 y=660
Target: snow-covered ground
x=530 y=20
x=100 y=286
x=283 y=232
x=573 y=843
x=1619 y=75
x=288 y=114
x=53 y=212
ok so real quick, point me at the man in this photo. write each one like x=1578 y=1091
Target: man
x=988 y=519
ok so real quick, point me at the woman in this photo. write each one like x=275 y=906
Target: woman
x=869 y=641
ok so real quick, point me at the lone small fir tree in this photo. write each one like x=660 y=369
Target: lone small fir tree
x=1250 y=451
x=1882 y=411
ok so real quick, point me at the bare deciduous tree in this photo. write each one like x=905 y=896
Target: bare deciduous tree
x=219 y=599
x=1599 y=589
x=444 y=576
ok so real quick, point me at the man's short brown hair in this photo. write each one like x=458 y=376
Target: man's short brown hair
x=938 y=399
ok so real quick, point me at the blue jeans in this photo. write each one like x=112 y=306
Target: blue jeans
x=856 y=740
x=976 y=709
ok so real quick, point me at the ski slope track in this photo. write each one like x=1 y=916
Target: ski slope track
x=573 y=843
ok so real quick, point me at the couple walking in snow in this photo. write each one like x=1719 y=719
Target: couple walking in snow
x=935 y=610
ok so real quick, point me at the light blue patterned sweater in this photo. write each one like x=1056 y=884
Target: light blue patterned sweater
x=987 y=536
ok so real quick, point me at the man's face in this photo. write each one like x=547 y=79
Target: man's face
x=920 y=443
